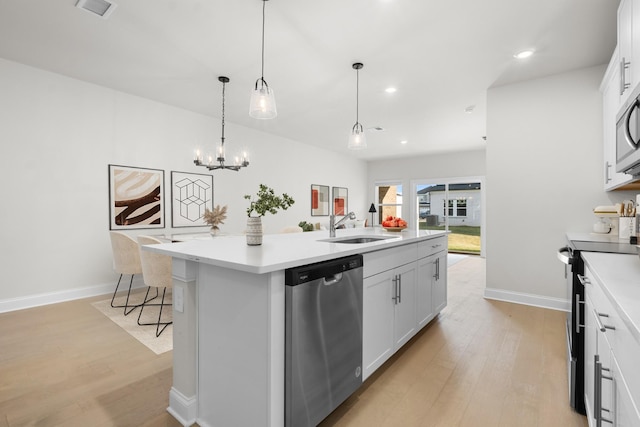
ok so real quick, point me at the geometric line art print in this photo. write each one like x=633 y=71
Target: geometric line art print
x=136 y=197
x=191 y=196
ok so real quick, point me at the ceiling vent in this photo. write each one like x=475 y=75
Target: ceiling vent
x=102 y=8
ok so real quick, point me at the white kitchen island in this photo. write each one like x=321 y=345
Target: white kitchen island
x=229 y=318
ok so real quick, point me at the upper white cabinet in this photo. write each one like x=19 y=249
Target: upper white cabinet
x=610 y=105
x=620 y=80
x=626 y=61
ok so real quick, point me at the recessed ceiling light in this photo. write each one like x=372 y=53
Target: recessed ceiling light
x=390 y=90
x=404 y=141
x=524 y=54
x=376 y=129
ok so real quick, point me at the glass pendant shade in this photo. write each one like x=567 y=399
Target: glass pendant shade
x=263 y=102
x=357 y=139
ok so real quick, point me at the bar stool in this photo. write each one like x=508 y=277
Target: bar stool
x=156 y=272
x=126 y=260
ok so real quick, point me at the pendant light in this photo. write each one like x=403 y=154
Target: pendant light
x=210 y=162
x=263 y=102
x=357 y=139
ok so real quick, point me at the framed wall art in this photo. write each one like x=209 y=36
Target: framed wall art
x=319 y=200
x=136 y=198
x=340 y=200
x=191 y=195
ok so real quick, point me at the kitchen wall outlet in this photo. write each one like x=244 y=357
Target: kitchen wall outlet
x=178 y=299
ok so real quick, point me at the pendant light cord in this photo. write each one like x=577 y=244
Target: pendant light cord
x=357 y=96
x=264 y=5
x=223 y=87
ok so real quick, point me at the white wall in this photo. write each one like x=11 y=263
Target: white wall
x=58 y=136
x=544 y=177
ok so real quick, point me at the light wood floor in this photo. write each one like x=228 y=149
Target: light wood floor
x=481 y=363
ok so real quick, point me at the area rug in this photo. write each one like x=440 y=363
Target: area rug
x=144 y=334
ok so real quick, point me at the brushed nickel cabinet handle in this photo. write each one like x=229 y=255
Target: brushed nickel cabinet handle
x=624 y=65
x=601 y=326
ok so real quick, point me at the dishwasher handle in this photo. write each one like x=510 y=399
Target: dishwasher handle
x=332 y=280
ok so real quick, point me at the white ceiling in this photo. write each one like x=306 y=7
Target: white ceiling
x=441 y=56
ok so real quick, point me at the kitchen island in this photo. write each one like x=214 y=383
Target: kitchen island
x=229 y=316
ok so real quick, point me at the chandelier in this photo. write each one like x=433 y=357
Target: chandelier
x=218 y=162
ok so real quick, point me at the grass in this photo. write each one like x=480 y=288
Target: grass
x=463 y=238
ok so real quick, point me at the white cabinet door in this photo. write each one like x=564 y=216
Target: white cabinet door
x=625 y=49
x=426 y=275
x=610 y=107
x=405 y=303
x=439 y=289
x=590 y=351
x=625 y=414
x=377 y=321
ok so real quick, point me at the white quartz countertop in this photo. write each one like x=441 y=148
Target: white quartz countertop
x=281 y=251
x=619 y=275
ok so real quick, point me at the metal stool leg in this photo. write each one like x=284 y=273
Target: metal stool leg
x=128 y=308
x=159 y=322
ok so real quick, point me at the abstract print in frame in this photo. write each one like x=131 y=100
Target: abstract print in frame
x=136 y=198
x=340 y=201
x=191 y=195
x=319 y=200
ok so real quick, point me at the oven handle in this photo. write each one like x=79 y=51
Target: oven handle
x=564 y=255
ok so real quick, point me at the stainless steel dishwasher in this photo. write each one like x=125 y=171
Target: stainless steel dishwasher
x=323 y=345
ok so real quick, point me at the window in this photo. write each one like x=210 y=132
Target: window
x=389 y=201
x=461 y=207
x=456 y=207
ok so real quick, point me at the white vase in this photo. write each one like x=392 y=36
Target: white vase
x=254 y=231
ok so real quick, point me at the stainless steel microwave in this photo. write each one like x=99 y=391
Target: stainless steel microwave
x=628 y=136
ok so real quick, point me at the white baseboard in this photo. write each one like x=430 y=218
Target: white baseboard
x=182 y=408
x=527 y=299
x=13 y=304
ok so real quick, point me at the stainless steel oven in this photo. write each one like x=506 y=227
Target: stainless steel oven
x=573 y=269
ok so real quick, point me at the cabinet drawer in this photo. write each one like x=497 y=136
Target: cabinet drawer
x=432 y=246
x=604 y=311
x=386 y=259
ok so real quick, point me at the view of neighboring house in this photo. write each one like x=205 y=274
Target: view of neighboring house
x=462 y=204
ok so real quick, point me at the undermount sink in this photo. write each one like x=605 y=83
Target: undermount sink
x=356 y=239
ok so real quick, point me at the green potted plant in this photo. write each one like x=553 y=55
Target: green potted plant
x=266 y=202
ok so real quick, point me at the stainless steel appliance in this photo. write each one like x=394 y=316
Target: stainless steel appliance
x=570 y=255
x=323 y=341
x=628 y=136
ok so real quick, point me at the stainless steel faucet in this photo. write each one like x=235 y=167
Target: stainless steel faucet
x=333 y=224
